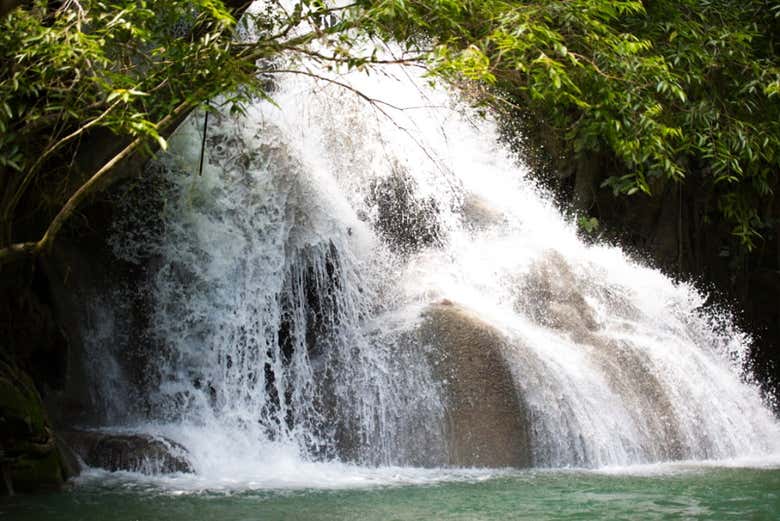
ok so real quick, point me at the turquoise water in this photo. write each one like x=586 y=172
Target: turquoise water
x=676 y=492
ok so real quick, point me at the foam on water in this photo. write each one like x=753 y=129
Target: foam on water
x=691 y=466
x=289 y=473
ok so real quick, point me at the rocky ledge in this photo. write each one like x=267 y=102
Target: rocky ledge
x=132 y=452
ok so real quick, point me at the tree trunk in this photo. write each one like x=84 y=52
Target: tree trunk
x=6 y=6
x=586 y=177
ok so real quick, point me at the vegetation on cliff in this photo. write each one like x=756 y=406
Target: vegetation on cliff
x=670 y=89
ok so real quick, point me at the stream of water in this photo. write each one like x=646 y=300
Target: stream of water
x=651 y=493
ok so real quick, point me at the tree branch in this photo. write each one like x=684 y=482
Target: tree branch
x=95 y=183
x=375 y=103
x=33 y=170
x=16 y=252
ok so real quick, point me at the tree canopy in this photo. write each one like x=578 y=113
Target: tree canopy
x=73 y=69
x=671 y=89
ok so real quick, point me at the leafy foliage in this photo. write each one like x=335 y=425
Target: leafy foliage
x=670 y=88
x=127 y=66
x=118 y=66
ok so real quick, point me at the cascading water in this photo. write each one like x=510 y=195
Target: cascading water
x=290 y=283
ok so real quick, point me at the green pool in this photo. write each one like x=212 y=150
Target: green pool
x=690 y=492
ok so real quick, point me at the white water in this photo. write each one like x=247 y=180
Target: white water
x=616 y=363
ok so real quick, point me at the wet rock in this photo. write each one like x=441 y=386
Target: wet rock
x=478 y=214
x=69 y=461
x=131 y=452
x=631 y=375
x=552 y=295
x=29 y=458
x=403 y=218
x=486 y=417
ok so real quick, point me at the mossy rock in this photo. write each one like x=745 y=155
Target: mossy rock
x=30 y=459
x=44 y=474
x=21 y=411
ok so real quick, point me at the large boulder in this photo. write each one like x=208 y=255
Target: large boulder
x=131 y=452
x=30 y=457
x=486 y=416
x=554 y=296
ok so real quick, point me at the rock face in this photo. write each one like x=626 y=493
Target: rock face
x=478 y=214
x=403 y=218
x=486 y=417
x=552 y=296
x=132 y=452
x=30 y=457
x=680 y=230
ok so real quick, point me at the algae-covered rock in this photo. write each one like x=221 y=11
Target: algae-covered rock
x=21 y=412
x=32 y=474
x=30 y=458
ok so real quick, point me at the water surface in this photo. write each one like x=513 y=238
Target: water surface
x=657 y=492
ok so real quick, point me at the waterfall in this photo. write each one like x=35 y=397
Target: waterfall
x=291 y=284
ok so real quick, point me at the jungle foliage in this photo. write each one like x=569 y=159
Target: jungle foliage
x=132 y=68
x=672 y=89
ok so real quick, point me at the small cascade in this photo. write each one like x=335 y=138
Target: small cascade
x=306 y=293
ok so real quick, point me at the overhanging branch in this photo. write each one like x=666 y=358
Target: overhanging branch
x=98 y=181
